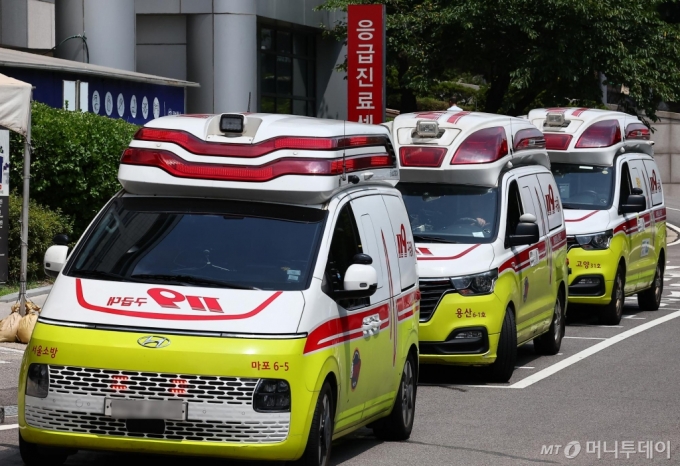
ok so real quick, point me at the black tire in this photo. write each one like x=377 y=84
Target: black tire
x=319 y=443
x=549 y=343
x=650 y=299
x=506 y=354
x=399 y=424
x=36 y=455
x=611 y=314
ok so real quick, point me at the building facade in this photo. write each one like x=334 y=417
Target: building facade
x=257 y=55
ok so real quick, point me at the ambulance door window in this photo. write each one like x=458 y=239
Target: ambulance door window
x=514 y=211
x=404 y=274
x=346 y=243
x=644 y=234
x=624 y=184
x=552 y=203
x=654 y=181
x=530 y=201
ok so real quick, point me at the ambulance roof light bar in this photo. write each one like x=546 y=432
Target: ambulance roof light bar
x=197 y=146
x=180 y=168
x=419 y=156
x=427 y=129
x=557 y=141
x=483 y=146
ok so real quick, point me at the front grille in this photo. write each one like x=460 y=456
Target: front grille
x=431 y=292
x=151 y=385
x=265 y=431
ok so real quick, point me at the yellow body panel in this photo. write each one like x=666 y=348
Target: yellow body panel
x=196 y=355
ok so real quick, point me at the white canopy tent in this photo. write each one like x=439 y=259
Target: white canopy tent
x=15 y=115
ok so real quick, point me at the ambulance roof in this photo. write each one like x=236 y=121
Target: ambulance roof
x=470 y=148
x=276 y=158
x=590 y=136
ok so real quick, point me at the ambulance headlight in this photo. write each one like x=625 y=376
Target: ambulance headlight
x=595 y=240
x=38 y=380
x=481 y=283
x=272 y=395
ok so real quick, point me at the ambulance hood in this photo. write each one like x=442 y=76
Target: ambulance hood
x=172 y=308
x=453 y=260
x=582 y=222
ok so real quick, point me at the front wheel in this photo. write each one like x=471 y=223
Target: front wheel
x=650 y=299
x=35 y=455
x=549 y=343
x=399 y=424
x=612 y=312
x=506 y=355
x=318 y=450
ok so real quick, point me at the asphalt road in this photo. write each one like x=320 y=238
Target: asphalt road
x=609 y=384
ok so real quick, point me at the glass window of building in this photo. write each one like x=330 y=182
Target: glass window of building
x=287 y=71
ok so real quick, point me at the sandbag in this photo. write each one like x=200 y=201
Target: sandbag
x=9 y=326
x=26 y=325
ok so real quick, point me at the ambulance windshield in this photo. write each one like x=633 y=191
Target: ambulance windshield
x=586 y=187
x=202 y=243
x=441 y=213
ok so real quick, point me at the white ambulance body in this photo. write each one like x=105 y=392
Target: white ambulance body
x=490 y=237
x=245 y=295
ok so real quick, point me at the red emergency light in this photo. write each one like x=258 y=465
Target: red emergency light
x=529 y=138
x=181 y=168
x=417 y=156
x=483 y=146
x=197 y=146
x=604 y=133
x=557 y=141
x=637 y=131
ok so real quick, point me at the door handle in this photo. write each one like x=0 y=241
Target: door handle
x=370 y=325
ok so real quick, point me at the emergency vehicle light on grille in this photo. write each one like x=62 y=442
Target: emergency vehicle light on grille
x=604 y=133
x=180 y=168
x=483 y=146
x=197 y=146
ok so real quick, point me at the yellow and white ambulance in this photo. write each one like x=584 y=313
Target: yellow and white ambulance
x=490 y=237
x=614 y=206
x=250 y=293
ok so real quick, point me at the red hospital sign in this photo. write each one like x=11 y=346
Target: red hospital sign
x=366 y=63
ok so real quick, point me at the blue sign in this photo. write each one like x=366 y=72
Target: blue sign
x=132 y=101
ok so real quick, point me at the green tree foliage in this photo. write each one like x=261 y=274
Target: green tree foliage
x=43 y=224
x=537 y=53
x=74 y=161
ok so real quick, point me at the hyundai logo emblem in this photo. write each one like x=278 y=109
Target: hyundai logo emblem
x=153 y=341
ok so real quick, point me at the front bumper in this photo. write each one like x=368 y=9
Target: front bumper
x=219 y=375
x=601 y=264
x=454 y=314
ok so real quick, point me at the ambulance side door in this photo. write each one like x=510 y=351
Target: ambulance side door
x=643 y=237
x=535 y=269
x=378 y=371
x=629 y=228
x=358 y=354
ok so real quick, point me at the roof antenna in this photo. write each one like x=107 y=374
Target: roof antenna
x=249 y=102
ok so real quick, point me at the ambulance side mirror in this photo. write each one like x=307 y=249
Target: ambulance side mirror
x=634 y=204
x=55 y=258
x=526 y=232
x=361 y=279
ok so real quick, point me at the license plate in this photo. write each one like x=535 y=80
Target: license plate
x=146 y=409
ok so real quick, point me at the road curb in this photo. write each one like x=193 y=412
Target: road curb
x=9 y=298
x=676 y=230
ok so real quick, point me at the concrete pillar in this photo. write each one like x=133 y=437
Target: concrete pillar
x=200 y=63
x=235 y=55
x=108 y=25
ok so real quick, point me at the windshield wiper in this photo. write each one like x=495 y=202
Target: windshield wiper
x=191 y=280
x=97 y=274
x=433 y=239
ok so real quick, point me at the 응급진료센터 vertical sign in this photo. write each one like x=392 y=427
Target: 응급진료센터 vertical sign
x=366 y=63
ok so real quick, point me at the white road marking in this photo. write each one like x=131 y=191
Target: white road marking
x=634 y=318
x=524 y=367
x=675 y=229
x=551 y=370
x=671 y=208
x=5 y=362
x=585 y=338
x=9 y=426
x=11 y=350
x=601 y=326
